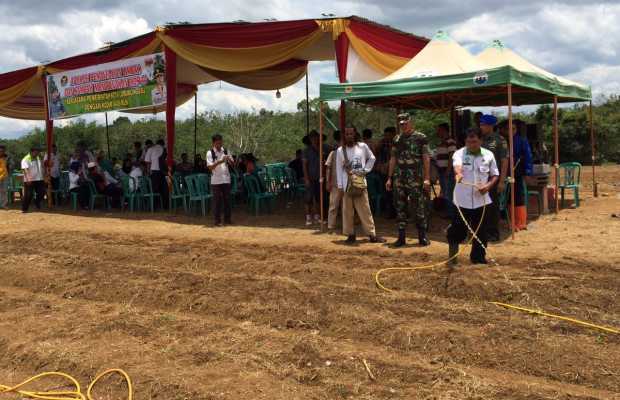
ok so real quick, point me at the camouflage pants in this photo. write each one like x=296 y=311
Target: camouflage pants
x=411 y=197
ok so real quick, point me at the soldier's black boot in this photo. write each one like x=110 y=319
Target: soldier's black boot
x=402 y=238
x=422 y=239
x=452 y=254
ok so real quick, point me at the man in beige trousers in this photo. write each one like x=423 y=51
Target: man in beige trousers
x=355 y=158
x=335 y=194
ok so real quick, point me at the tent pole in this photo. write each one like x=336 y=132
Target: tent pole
x=593 y=144
x=307 y=106
x=321 y=183
x=49 y=139
x=107 y=135
x=195 y=125
x=556 y=150
x=512 y=161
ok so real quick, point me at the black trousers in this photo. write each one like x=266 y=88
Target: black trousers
x=492 y=214
x=30 y=189
x=160 y=185
x=221 y=202
x=519 y=192
x=457 y=231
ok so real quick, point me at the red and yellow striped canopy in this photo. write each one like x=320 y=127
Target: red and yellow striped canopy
x=260 y=56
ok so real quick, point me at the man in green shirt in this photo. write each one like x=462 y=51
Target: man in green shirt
x=494 y=142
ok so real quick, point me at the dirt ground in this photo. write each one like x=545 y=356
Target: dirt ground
x=267 y=309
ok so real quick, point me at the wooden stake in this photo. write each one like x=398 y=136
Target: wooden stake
x=370 y=375
x=321 y=166
x=556 y=150
x=512 y=161
x=593 y=145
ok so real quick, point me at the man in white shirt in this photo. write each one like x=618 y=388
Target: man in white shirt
x=155 y=170
x=335 y=194
x=476 y=173
x=32 y=165
x=218 y=162
x=355 y=158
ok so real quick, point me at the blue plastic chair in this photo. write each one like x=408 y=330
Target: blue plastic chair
x=197 y=193
x=375 y=192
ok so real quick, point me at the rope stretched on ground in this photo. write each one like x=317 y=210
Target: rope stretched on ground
x=474 y=236
x=75 y=394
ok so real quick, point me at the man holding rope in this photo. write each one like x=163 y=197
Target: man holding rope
x=476 y=173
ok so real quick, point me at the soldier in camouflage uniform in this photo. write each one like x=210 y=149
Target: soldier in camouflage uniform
x=410 y=169
x=493 y=141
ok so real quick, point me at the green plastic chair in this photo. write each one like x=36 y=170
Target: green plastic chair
x=375 y=192
x=145 y=187
x=178 y=193
x=197 y=193
x=256 y=196
x=63 y=188
x=503 y=200
x=527 y=193
x=16 y=186
x=234 y=187
x=94 y=196
x=131 y=197
x=295 y=188
x=570 y=178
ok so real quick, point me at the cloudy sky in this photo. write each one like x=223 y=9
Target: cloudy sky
x=577 y=39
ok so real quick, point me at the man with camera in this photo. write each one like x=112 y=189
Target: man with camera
x=218 y=162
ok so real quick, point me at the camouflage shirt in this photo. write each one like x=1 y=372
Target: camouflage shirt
x=409 y=152
x=498 y=146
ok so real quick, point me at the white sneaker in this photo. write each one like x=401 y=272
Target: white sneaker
x=308 y=220
x=317 y=219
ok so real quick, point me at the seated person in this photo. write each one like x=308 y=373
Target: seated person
x=103 y=186
x=77 y=185
x=185 y=167
x=136 y=173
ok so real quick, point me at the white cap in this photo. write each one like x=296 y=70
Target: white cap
x=92 y=164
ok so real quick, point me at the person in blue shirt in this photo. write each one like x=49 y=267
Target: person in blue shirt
x=523 y=166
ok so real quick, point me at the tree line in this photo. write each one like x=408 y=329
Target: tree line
x=274 y=136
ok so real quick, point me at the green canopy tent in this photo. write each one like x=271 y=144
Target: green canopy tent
x=494 y=86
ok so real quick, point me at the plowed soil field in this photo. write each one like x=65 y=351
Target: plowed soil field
x=267 y=309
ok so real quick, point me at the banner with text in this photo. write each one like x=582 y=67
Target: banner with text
x=120 y=85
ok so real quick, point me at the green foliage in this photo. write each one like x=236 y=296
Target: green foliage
x=274 y=136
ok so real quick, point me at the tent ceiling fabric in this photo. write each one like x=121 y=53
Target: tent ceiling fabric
x=444 y=75
x=260 y=56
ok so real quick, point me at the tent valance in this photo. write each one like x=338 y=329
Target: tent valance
x=261 y=56
x=480 y=88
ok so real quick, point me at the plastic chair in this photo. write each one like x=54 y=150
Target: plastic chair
x=375 y=192
x=502 y=203
x=295 y=188
x=94 y=196
x=256 y=196
x=178 y=193
x=145 y=186
x=234 y=187
x=197 y=193
x=63 y=188
x=131 y=197
x=570 y=178
x=527 y=193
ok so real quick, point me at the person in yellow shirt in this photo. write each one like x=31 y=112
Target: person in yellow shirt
x=4 y=178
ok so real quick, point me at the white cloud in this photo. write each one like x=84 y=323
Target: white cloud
x=580 y=39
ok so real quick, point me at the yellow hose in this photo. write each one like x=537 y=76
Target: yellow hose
x=75 y=394
x=474 y=236
x=545 y=314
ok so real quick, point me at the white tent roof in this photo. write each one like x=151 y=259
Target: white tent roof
x=441 y=56
x=497 y=55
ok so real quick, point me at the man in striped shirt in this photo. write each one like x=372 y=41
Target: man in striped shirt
x=442 y=157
